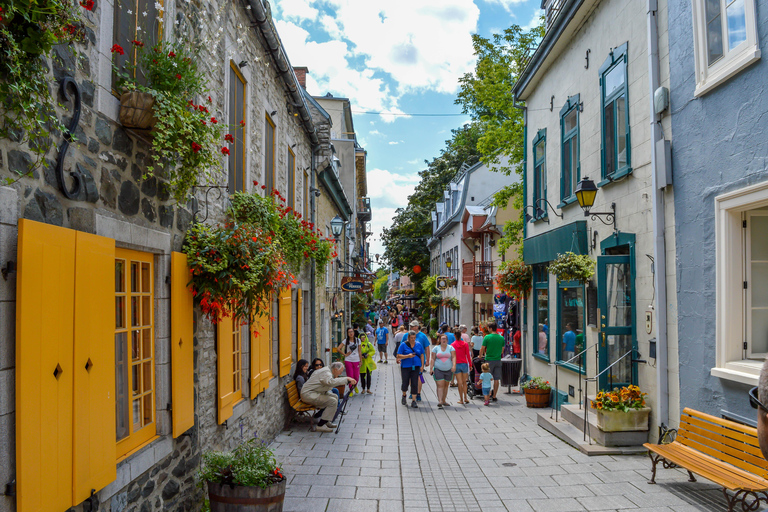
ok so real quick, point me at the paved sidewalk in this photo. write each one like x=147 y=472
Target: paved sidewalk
x=388 y=457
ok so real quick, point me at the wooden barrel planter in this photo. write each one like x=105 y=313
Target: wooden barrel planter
x=537 y=398
x=137 y=110
x=239 y=498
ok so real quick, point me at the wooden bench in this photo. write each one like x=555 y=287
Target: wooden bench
x=719 y=450
x=294 y=400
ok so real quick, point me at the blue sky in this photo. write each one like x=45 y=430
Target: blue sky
x=394 y=56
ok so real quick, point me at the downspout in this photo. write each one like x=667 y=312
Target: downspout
x=522 y=312
x=312 y=268
x=659 y=246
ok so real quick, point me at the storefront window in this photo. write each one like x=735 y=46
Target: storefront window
x=570 y=323
x=541 y=313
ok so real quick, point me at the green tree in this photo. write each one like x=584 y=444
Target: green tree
x=486 y=95
x=381 y=284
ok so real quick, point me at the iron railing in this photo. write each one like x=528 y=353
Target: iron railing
x=478 y=273
x=582 y=365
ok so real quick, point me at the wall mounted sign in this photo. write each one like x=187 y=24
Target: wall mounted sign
x=442 y=283
x=355 y=284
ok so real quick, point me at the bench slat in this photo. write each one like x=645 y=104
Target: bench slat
x=737 y=435
x=751 y=455
x=710 y=468
x=732 y=425
x=732 y=459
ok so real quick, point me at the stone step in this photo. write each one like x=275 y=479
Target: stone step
x=567 y=432
x=575 y=416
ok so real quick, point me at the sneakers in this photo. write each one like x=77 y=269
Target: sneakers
x=379 y=361
x=439 y=406
x=418 y=398
x=486 y=402
x=413 y=405
x=403 y=401
x=332 y=425
x=324 y=428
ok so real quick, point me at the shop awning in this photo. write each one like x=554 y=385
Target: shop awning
x=546 y=246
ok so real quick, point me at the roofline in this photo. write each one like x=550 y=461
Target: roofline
x=452 y=219
x=315 y=104
x=547 y=43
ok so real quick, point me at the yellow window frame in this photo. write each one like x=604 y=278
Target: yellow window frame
x=237 y=360
x=136 y=306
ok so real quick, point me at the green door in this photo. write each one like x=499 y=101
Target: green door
x=615 y=289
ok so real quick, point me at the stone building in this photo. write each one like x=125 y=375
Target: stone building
x=590 y=113
x=721 y=192
x=66 y=427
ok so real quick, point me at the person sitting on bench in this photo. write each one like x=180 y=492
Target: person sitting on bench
x=317 y=391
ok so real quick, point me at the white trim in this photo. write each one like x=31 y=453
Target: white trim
x=733 y=60
x=735 y=376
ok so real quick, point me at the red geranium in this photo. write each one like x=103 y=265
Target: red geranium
x=229 y=138
x=87 y=5
x=195 y=147
x=178 y=76
x=139 y=44
x=117 y=49
x=171 y=54
x=213 y=120
x=224 y=151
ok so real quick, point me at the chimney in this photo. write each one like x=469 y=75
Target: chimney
x=301 y=75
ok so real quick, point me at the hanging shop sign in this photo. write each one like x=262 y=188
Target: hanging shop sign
x=355 y=284
x=442 y=283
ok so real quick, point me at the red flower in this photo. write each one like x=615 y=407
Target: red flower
x=87 y=5
x=242 y=123
x=138 y=43
x=224 y=151
x=229 y=138
x=154 y=61
x=263 y=187
x=171 y=54
x=117 y=49
x=203 y=120
x=213 y=120
x=195 y=147
x=210 y=100
x=178 y=76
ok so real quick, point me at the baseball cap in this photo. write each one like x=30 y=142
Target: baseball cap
x=414 y=323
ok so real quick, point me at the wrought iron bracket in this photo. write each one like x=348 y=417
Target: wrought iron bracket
x=610 y=217
x=77 y=182
x=196 y=204
x=8 y=268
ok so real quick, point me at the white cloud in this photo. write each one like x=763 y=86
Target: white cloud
x=535 y=21
x=386 y=188
x=393 y=142
x=506 y=4
x=374 y=132
x=296 y=9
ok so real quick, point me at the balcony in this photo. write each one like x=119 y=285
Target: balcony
x=364 y=209
x=477 y=277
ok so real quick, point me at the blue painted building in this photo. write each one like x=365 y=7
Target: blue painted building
x=719 y=105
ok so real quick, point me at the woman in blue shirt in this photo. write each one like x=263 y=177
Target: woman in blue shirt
x=411 y=357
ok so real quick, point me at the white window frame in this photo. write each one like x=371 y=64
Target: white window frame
x=748 y=278
x=734 y=60
x=730 y=274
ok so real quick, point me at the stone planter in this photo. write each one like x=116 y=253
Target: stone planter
x=620 y=421
x=238 y=498
x=537 y=398
x=137 y=110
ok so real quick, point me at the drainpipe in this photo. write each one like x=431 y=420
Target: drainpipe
x=312 y=268
x=522 y=312
x=659 y=246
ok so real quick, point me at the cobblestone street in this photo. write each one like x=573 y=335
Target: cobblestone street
x=465 y=458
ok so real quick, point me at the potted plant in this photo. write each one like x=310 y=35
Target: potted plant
x=537 y=392
x=621 y=410
x=248 y=476
x=514 y=278
x=451 y=303
x=573 y=267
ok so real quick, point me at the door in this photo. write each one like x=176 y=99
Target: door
x=615 y=288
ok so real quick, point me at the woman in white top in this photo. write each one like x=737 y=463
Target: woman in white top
x=476 y=342
x=350 y=349
x=443 y=367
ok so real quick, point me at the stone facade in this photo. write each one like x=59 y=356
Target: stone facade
x=117 y=202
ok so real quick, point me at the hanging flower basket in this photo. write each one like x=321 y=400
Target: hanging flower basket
x=451 y=303
x=572 y=267
x=435 y=300
x=514 y=278
x=137 y=110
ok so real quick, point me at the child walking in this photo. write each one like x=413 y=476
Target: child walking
x=487 y=379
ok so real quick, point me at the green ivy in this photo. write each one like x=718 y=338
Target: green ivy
x=573 y=267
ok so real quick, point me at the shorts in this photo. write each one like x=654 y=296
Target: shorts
x=495 y=369
x=462 y=368
x=443 y=375
x=382 y=347
x=486 y=391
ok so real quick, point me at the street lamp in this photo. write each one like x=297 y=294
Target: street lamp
x=586 y=191
x=448 y=262
x=337 y=225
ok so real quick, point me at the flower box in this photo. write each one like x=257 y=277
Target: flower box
x=620 y=421
x=537 y=398
x=225 y=497
x=137 y=110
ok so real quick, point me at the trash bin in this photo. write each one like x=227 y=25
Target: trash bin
x=510 y=371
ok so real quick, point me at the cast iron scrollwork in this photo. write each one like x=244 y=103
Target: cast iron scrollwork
x=749 y=500
x=196 y=206
x=74 y=192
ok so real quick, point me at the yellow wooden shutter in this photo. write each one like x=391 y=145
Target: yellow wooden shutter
x=182 y=347
x=299 y=320
x=44 y=367
x=94 y=365
x=285 y=334
x=260 y=342
x=226 y=392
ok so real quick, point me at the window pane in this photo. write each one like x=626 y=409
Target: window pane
x=145 y=278
x=137 y=414
x=121 y=384
x=135 y=345
x=618 y=294
x=569 y=123
x=712 y=9
x=136 y=381
x=610 y=140
x=119 y=312
x=614 y=79
x=759 y=285
x=621 y=373
x=759 y=331
x=119 y=276
x=737 y=24
x=571 y=315
x=542 y=312
x=621 y=131
x=147 y=377
x=146 y=347
x=758 y=232
x=147 y=409
x=714 y=40
x=134 y=311
x=567 y=163
x=146 y=314
x=539 y=151
x=291 y=179
x=574 y=164
x=134 y=277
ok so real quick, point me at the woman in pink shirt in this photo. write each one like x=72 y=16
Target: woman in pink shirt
x=463 y=360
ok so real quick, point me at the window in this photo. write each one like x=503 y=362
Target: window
x=269 y=154
x=541 y=311
x=725 y=40
x=571 y=168
x=135 y=20
x=741 y=234
x=540 y=174
x=306 y=196
x=134 y=349
x=236 y=158
x=291 y=179
x=570 y=322
x=615 y=119
x=237 y=359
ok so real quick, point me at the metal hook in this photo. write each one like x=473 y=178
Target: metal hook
x=208 y=189
x=586 y=57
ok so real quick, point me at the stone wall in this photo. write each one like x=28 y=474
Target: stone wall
x=117 y=202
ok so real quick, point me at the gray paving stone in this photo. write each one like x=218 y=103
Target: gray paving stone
x=340 y=505
x=304 y=504
x=606 y=503
x=331 y=491
x=555 y=505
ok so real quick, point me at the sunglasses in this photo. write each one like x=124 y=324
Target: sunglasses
x=318 y=365
x=754 y=402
